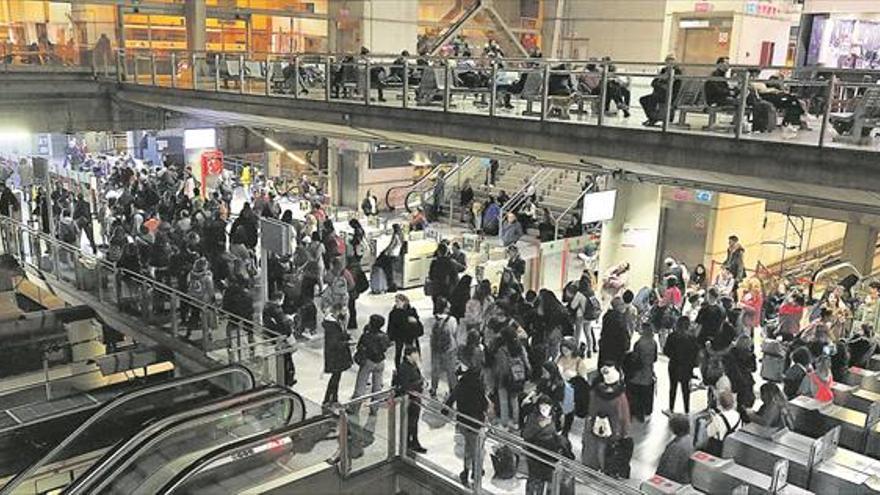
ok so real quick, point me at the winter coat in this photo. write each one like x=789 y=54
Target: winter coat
x=408 y=378
x=675 y=462
x=337 y=355
x=545 y=437
x=373 y=344
x=469 y=397
x=614 y=339
x=645 y=350
x=682 y=351
x=605 y=401
x=400 y=329
x=443 y=276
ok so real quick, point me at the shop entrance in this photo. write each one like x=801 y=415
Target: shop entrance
x=683 y=232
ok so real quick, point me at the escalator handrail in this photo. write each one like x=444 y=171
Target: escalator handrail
x=196 y=466
x=107 y=408
x=104 y=471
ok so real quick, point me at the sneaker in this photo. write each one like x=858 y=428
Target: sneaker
x=464 y=477
x=667 y=412
x=418 y=449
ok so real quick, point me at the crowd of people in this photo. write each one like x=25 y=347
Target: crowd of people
x=525 y=354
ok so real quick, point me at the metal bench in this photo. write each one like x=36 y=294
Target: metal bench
x=855 y=127
x=692 y=99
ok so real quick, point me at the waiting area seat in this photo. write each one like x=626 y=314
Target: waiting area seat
x=692 y=99
x=855 y=127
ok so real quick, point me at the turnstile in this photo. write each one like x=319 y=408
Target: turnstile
x=658 y=485
x=814 y=419
x=712 y=474
x=838 y=471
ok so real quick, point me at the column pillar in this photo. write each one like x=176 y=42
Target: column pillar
x=196 y=25
x=632 y=234
x=859 y=245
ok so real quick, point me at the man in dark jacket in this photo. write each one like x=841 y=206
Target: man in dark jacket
x=337 y=355
x=370 y=357
x=404 y=326
x=800 y=362
x=709 y=318
x=719 y=93
x=540 y=431
x=614 y=340
x=469 y=396
x=442 y=276
x=409 y=379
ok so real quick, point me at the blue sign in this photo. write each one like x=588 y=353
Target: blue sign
x=703 y=196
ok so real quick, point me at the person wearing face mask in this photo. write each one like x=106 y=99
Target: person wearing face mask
x=541 y=432
x=606 y=438
x=409 y=379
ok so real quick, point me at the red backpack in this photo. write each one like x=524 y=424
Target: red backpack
x=823 y=389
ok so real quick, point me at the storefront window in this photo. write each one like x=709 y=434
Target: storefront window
x=845 y=42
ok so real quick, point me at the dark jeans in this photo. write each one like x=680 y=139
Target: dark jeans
x=387 y=264
x=674 y=383
x=534 y=486
x=398 y=350
x=352 y=310
x=412 y=422
x=331 y=396
x=642 y=399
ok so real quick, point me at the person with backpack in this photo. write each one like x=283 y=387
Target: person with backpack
x=540 y=431
x=444 y=348
x=469 y=397
x=510 y=368
x=404 y=326
x=682 y=350
x=370 y=358
x=640 y=378
x=337 y=289
x=724 y=420
x=818 y=381
x=200 y=286
x=442 y=276
x=773 y=412
x=577 y=309
x=607 y=443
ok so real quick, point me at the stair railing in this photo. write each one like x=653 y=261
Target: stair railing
x=574 y=203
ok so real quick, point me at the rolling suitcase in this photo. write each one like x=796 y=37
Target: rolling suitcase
x=618 y=456
x=763 y=117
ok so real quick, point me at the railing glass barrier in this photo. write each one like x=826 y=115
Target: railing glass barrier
x=122 y=417
x=150 y=459
x=221 y=335
x=817 y=106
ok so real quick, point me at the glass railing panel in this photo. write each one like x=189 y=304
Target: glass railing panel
x=519 y=87
x=126 y=415
x=270 y=463
x=368 y=430
x=172 y=450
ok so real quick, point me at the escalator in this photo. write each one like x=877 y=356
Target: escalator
x=52 y=466
x=148 y=460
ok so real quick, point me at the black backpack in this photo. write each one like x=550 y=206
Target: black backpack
x=504 y=462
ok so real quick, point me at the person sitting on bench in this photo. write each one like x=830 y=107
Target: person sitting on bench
x=719 y=93
x=655 y=103
x=467 y=73
x=617 y=89
x=791 y=107
x=377 y=75
x=397 y=73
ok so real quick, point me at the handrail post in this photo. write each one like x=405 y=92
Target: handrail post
x=152 y=68
x=295 y=77
x=556 y=481
x=603 y=95
x=328 y=78
x=493 y=93
x=741 y=106
x=217 y=72
x=545 y=92
x=173 y=70
x=268 y=75
x=240 y=73
x=572 y=205
x=367 y=87
x=478 y=460
x=344 y=451
x=405 y=83
x=192 y=69
x=447 y=88
x=120 y=64
x=136 y=71
x=404 y=425
x=670 y=84
x=827 y=113
x=392 y=426
x=175 y=314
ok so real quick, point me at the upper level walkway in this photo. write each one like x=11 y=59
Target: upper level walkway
x=518 y=111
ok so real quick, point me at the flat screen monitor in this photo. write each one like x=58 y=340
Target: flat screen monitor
x=599 y=206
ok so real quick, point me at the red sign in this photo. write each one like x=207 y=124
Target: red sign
x=212 y=165
x=703 y=7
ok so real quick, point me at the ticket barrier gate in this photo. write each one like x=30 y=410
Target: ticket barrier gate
x=816 y=464
x=658 y=485
x=842 y=392
x=712 y=474
x=858 y=431
x=861 y=400
x=864 y=379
